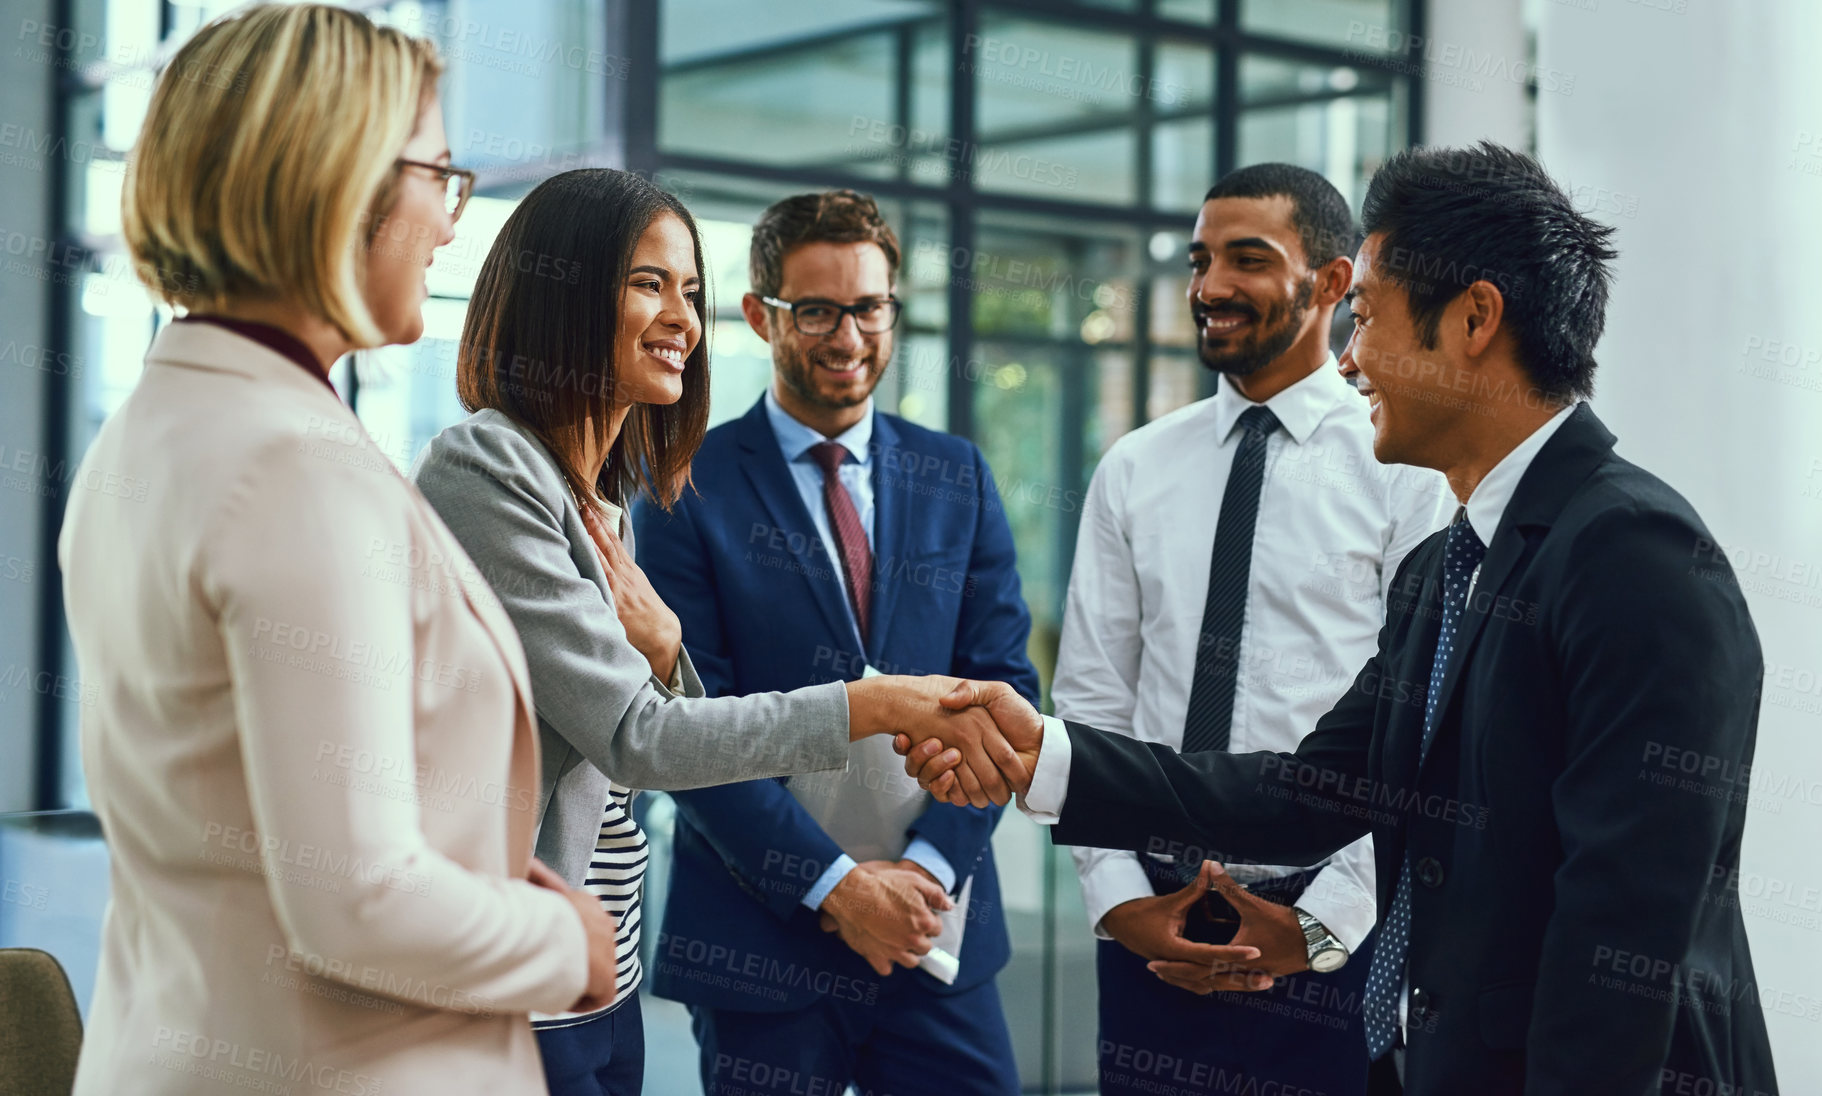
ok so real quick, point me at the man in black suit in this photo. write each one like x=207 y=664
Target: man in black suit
x=1556 y=880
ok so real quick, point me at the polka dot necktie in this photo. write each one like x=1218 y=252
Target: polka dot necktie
x=1461 y=554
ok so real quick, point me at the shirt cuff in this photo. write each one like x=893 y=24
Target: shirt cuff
x=825 y=883
x=1343 y=908
x=1114 y=881
x=1043 y=801
x=925 y=855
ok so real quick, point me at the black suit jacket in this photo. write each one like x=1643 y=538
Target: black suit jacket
x=1574 y=831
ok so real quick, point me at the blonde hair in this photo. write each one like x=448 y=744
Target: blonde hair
x=267 y=159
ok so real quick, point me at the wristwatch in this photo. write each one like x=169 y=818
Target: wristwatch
x=1326 y=953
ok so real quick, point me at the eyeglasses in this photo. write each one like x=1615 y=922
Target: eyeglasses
x=820 y=317
x=458 y=184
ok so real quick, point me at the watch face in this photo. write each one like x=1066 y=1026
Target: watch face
x=1328 y=959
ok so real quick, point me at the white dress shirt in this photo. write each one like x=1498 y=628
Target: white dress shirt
x=1487 y=503
x=796 y=440
x=1333 y=525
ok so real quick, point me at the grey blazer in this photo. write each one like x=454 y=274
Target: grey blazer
x=600 y=711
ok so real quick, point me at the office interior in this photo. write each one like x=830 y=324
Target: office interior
x=1042 y=162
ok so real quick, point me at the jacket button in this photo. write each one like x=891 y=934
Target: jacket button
x=1429 y=872
x=1421 y=1004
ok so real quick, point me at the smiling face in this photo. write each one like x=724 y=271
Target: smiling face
x=839 y=370
x=1250 y=289
x=1411 y=388
x=409 y=234
x=658 y=326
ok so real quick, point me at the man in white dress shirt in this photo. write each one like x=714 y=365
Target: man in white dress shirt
x=1275 y=476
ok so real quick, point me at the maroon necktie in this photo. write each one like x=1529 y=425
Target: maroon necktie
x=850 y=534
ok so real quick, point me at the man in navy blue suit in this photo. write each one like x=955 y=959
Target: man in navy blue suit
x=841 y=928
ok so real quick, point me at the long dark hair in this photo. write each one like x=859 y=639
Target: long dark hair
x=538 y=344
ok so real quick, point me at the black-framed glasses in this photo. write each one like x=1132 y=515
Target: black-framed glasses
x=814 y=316
x=458 y=184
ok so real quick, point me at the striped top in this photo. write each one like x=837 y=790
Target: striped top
x=616 y=875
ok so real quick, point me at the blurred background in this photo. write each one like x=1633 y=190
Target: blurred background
x=1043 y=162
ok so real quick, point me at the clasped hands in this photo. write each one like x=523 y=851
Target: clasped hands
x=976 y=745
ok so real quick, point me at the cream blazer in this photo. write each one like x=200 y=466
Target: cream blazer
x=311 y=748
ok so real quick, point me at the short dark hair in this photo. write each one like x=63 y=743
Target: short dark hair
x=1317 y=208
x=1455 y=216
x=543 y=322
x=832 y=216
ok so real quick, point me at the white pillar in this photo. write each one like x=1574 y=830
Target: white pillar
x=1695 y=126
x=1476 y=60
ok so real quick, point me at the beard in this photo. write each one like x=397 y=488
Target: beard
x=801 y=371
x=1270 y=337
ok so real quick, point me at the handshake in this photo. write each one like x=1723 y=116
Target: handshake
x=970 y=743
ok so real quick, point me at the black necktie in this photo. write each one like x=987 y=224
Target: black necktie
x=1211 y=696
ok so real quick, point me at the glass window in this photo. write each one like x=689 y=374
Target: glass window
x=1188 y=11
x=1367 y=26
x=827 y=95
x=1342 y=121
x=1183 y=138
x=1055 y=106
x=1053 y=319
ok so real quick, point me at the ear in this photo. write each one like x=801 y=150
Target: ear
x=1332 y=281
x=1485 y=307
x=757 y=313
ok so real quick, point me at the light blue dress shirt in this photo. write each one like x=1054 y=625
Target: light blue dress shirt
x=795 y=440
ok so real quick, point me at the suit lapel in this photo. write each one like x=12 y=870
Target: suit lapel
x=1404 y=732
x=891 y=528
x=1558 y=470
x=770 y=477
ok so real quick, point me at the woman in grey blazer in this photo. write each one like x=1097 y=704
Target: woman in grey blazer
x=583 y=364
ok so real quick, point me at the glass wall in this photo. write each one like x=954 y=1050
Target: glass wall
x=1043 y=163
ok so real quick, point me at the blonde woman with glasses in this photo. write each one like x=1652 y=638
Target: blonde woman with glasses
x=313 y=751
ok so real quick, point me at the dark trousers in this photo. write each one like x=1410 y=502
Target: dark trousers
x=600 y=1057
x=910 y=1042
x=1303 y=1034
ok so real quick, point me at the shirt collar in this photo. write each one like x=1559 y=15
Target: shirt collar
x=1488 y=501
x=275 y=339
x=1299 y=408
x=795 y=439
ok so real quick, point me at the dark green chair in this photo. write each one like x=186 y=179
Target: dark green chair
x=40 y=1027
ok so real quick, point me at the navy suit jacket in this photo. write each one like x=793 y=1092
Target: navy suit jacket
x=1574 y=829
x=740 y=562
